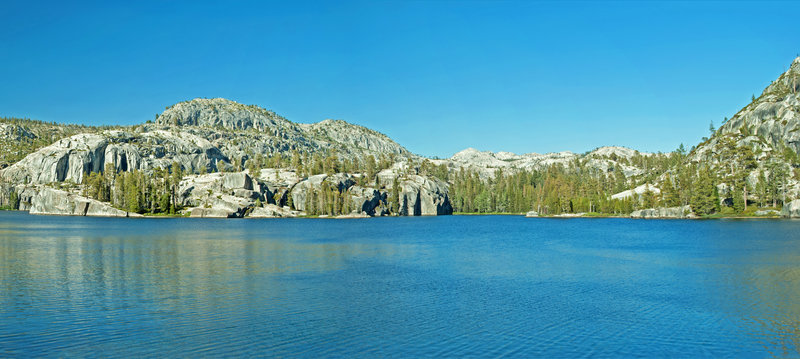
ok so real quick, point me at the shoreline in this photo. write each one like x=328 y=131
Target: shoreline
x=571 y=216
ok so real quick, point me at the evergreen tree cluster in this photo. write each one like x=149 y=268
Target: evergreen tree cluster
x=135 y=191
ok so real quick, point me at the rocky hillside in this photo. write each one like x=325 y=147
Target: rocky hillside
x=202 y=135
x=762 y=140
x=243 y=131
x=201 y=138
x=605 y=159
x=20 y=137
x=770 y=123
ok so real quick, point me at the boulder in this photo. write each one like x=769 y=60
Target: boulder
x=767 y=212
x=664 y=212
x=222 y=206
x=791 y=209
x=569 y=215
x=532 y=214
x=237 y=180
x=273 y=211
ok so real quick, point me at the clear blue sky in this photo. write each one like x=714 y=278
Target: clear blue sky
x=436 y=76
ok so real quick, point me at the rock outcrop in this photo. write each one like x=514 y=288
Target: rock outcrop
x=791 y=209
x=486 y=163
x=664 y=212
x=222 y=113
x=369 y=201
x=200 y=135
x=273 y=211
x=774 y=116
x=421 y=196
x=766 y=125
x=57 y=202
x=636 y=192
x=767 y=212
x=242 y=130
x=301 y=191
x=417 y=195
x=70 y=158
x=222 y=206
x=221 y=195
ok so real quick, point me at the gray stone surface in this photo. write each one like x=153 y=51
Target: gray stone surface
x=664 y=212
x=791 y=209
x=68 y=159
x=421 y=196
x=273 y=211
x=222 y=206
x=487 y=163
x=300 y=191
x=57 y=202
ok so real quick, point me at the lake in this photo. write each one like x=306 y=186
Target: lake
x=450 y=286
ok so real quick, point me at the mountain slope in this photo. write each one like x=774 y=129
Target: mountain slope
x=199 y=135
x=770 y=123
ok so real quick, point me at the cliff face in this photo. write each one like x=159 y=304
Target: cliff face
x=70 y=158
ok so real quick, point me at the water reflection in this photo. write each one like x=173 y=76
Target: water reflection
x=187 y=265
x=761 y=284
x=418 y=287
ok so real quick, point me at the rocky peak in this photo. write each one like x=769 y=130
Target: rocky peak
x=607 y=151
x=773 y=117
x=353 y=137
x=220 y=112
x=787 y=83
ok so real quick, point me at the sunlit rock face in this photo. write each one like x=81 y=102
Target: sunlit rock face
x=56 y=202
x=487 y=163
x=664 y=212
x=70 y=158
x=791 y=209
x=770 y=122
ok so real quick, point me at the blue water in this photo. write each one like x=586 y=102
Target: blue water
x=452 y=286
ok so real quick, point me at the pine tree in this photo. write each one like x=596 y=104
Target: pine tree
x=705 y=199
